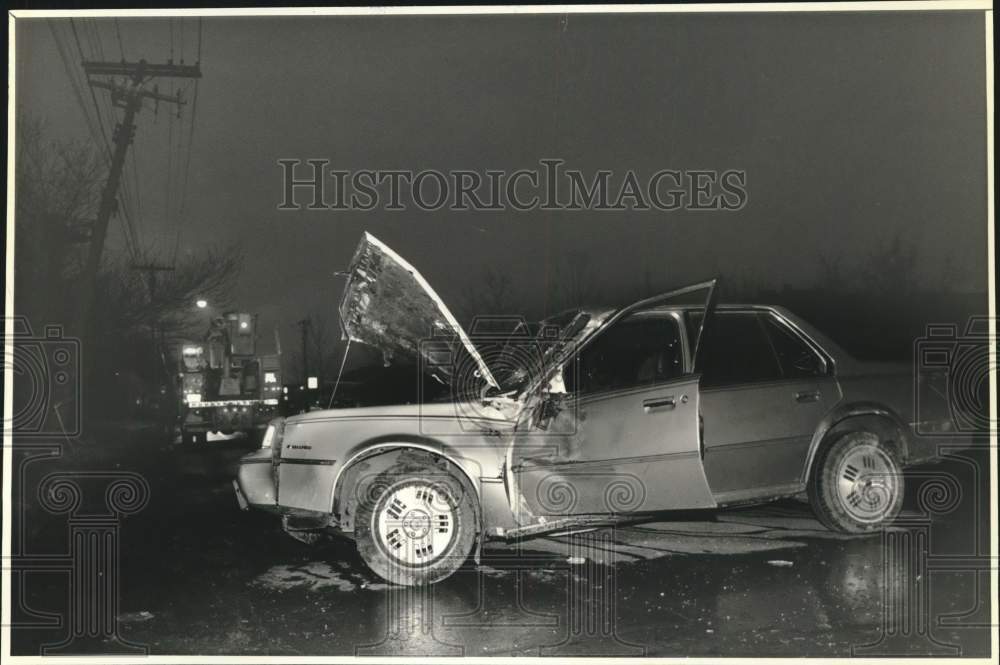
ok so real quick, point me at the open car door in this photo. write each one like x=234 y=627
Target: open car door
x=626 y=437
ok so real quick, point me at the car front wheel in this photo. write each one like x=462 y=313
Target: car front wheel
x=417 y=524
x=857 y=484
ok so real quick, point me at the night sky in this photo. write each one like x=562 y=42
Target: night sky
x=852 y=128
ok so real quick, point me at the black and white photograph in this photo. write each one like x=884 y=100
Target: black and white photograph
x=500 y=333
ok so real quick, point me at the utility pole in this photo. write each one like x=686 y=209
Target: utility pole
x=128 y=93
x=304 y=324
x=130 y=97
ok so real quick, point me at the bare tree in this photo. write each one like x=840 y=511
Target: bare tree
x=129 y=300
x=57 y=189
x=891 y=269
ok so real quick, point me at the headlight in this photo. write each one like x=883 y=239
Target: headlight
x=268 y=437
x=273 y=434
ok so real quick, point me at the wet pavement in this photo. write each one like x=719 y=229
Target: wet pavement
x=199 y=576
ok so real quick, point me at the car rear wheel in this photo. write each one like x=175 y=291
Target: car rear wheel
x=417 y=523
x=857 y=485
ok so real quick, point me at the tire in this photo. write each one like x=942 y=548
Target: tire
x=857 y=484
x=417 y=523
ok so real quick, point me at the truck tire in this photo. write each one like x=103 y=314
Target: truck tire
x=417 y=522
x=857 y=484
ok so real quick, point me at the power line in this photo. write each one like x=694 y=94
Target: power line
x=134 y=158
x=170 y=166
x=87 y=37
x=96 y=125
x=93 y=95
x=97 y=37
x=74 y=84
x=97 y=45
x=190 y=150
x=128 y=229
x=128 y=198
x=187 y=166
x=118 y=32
x=128 y=201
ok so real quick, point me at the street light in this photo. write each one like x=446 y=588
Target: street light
x=201 y=303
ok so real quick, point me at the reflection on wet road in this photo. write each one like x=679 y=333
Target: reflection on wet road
x=207 y=578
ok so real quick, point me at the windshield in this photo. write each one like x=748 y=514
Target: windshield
x=524 y=352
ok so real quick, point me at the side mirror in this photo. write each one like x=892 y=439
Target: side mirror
x=548 y=408
x=811 y=363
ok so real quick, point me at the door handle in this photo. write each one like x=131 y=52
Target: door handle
x=807 y=396
x=658 y=404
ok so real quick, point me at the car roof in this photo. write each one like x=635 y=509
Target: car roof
x=720 y=306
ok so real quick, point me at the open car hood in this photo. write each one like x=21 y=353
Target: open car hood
x=387 y=304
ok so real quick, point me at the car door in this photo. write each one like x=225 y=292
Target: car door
x=626 y=438
x=764 y=389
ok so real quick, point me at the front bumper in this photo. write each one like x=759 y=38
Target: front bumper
x=233 y=415
x=255 y=481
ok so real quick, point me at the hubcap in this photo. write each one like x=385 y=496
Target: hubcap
x=415 y=523
x=867 y=483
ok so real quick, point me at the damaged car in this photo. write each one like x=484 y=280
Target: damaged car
x=592 y=417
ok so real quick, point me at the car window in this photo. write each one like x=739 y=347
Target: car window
x=735 y=350
x=641 y=349
x=797 y=359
